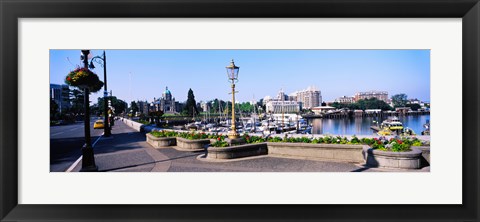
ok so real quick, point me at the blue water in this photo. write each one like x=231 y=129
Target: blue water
x=361 y=125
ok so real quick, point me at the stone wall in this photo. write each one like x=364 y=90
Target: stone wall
x=336 y=152
x=192 y=144
x=159 y=142
x=405 y=160
x=134 y=125
x=238 y=151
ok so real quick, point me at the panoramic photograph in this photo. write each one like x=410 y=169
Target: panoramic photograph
x=239 y=110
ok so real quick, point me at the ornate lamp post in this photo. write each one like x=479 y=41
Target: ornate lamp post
x=107 y=131
x=88 y=159
x=232 y=72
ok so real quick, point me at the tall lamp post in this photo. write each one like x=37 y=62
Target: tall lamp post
x=88 y=159
x=107 y=131
x=232 y=72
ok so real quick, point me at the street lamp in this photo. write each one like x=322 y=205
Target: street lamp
x=88 y=159
x=232 y=73
x=107 y=131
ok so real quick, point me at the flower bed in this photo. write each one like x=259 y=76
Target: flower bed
x=238 y=151
x=192 y=145
x=398 y=152
x=159 y=139
x=395 y=153
x=193 y=141
x=324 y=151
x=406 y=160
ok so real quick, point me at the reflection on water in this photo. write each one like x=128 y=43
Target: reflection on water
x=361 y=125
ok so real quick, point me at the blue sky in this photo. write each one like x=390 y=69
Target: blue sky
x=144 y=74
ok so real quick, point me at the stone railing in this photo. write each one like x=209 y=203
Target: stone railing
x=336 y=152
x=134 y=125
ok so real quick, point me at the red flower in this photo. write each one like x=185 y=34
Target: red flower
x=399 y=141
x=379 y=142
x=219 y=139
x=68 y=78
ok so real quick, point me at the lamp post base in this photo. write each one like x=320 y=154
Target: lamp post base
x=233 y=134
x=88 y=160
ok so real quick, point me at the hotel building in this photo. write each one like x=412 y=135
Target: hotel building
x=380 y=95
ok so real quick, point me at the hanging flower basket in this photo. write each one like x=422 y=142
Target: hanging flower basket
x=83 y=78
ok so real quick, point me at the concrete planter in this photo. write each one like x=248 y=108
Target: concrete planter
x=187 y=144
x=335 y=152
x=403 y=160
x=425 y=160
x=239 y=151
x=159 y=142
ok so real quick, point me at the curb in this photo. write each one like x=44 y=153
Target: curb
x=202 y=157
x=80 y=158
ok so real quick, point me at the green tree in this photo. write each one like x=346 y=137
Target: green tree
x=155 y=116
x=53 y=109
x=414 y=106
x=190 y=106
x=76 y=96
x=134 y=107
x=399 y=100
x=117 y=104
x=363 y=104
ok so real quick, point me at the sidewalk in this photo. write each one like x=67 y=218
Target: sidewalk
x=127 y=151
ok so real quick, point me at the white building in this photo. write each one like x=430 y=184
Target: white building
x=309 y=98
x=345 y=99
x=61 y=95
x=322 y=109
x=380 y=95
x=275 y=106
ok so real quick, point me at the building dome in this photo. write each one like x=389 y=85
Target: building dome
x=167 y=92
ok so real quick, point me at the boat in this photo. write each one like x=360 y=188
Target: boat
x=427 y=128
x=408 y=132
x=384 y=132
x=392 y=123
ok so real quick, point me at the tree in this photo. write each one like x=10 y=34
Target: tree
x=190 y=106
x=414 y=106
x=399 y=100
x=134 y=107
x=53 y=109
x=155 y=116
x=117 y=104
x=76 y=97
x=363 y=104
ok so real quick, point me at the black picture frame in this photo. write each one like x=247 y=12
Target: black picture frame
x=11 y=11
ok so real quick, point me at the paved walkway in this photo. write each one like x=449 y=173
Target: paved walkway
x=127 y=151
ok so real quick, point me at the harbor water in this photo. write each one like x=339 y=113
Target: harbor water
x=361 y=125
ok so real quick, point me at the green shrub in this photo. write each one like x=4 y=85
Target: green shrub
x=193 y=135
x=164 y=133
